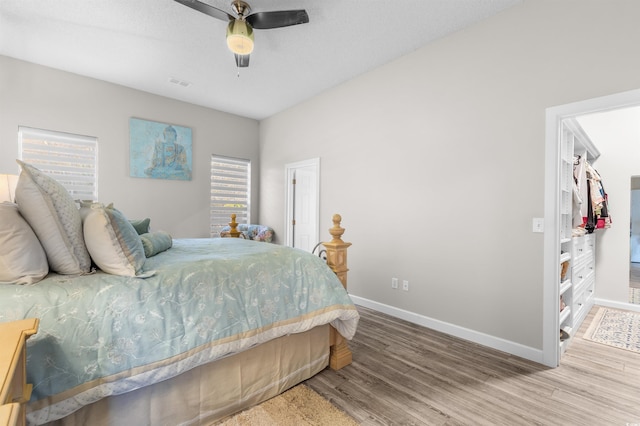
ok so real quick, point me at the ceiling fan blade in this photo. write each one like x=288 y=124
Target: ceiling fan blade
x=206 y=9
x=242 y=61
x=277 y=19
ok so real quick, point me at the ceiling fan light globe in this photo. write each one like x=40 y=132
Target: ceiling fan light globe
x=240 y=37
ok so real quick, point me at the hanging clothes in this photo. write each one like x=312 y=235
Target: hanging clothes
x=579 y=192
x=604 y=219
x=597 y=216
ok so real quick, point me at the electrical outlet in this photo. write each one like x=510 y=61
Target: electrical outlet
x=394 y=283
x=405 y=285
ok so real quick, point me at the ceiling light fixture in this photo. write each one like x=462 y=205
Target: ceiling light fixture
x=240 y=37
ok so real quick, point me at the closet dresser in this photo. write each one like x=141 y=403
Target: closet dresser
x=577 y=255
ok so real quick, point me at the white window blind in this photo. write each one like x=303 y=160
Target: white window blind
x=230 y=191
x=70 y=159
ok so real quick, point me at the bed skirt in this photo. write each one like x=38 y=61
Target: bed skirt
x=211 y=392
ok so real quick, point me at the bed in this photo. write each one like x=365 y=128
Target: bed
x=206 y=328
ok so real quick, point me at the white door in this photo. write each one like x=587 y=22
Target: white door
x=635 y=225
x=302 y=180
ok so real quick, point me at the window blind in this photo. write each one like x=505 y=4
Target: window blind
x=230 y=191
x=70 y=159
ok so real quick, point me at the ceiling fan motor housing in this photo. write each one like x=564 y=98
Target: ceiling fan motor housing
x=241 y=8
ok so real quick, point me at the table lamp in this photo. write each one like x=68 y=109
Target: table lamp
x=8 y=187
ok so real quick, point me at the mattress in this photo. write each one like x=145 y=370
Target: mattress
x=207 y=299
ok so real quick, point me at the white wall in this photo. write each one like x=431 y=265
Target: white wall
x=436 y=160
x=617 y=136
x=40 y=97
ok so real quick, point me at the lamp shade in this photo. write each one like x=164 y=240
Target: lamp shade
x=8 y=187
x=240 y=37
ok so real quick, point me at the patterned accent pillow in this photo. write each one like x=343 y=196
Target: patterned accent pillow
x=155 y=242
x=112 y=241
x=22 y=258
x=54 y=217
x=141 y=225
x=251 y=232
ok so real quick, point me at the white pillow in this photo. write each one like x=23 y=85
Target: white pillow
x=22 y=258
x=84 y=208
x=113 y=242
x=54 y=217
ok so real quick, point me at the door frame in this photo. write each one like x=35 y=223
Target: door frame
x=289 y=173
x=554 y=117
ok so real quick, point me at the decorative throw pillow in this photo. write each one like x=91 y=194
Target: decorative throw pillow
x=85 y=208
x=112 y=242
x=55 y=219
x=22 y=258
x=141 y=225
x=155 y=242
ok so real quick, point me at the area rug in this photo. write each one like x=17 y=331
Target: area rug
x=612 y=327
x=299 y=406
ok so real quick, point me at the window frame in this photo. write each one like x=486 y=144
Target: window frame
x=70 y=159
x=229 y=175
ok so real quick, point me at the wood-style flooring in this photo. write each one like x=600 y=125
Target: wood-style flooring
x=405 y=374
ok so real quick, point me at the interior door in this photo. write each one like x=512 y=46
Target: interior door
x=302 y=204
x=635 y=223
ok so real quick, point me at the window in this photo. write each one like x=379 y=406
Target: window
x=70 y=159
x=230 y=191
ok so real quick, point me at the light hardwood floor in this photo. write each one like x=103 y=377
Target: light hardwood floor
x=404 y=374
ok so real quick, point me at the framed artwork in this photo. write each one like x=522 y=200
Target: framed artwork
x=159 y=150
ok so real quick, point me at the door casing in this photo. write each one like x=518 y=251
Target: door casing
x=310 y=166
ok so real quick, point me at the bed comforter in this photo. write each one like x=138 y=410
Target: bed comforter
x=103 y=334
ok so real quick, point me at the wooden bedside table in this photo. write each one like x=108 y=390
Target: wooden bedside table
x=14 y=390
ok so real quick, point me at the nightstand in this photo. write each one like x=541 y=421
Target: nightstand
x=14 y=390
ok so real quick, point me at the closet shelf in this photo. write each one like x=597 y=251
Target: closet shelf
x=564 y=314
x=565 y=343
x=575 y=283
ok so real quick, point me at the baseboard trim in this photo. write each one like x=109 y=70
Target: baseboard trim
x=617 y=305
x=483 y=339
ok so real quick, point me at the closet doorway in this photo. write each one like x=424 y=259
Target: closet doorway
x=612 y=258
x=618 y=132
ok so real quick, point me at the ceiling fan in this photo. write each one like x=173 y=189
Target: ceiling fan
x=240 y=28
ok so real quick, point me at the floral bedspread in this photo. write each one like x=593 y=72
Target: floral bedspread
x=103 y=334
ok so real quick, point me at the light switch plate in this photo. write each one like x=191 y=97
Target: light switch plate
x=538 y=224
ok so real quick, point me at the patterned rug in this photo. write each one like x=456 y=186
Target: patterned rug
x=299 y=406
x=612 y=327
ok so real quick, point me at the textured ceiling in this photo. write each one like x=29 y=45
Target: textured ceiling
x=144 y=44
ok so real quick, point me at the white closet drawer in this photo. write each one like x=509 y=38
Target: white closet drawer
x=578 y=247
x=589 y=291
x=590 y=242
x=583 y=247
x=583 y=301
x=582 y=273
x=587 y=282
x=579 y=306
